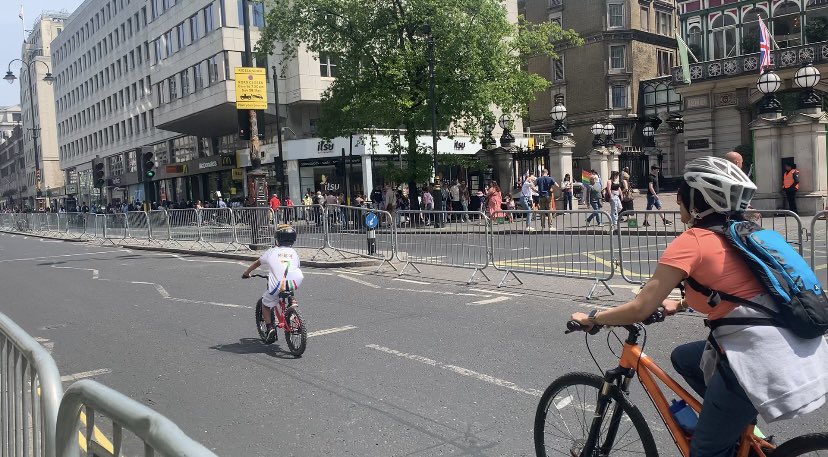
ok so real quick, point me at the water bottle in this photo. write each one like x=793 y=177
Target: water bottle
x=685 y=416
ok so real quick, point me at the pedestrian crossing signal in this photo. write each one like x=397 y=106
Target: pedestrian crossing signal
x=149 y=164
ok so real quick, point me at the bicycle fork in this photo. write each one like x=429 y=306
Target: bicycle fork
x=620 y=377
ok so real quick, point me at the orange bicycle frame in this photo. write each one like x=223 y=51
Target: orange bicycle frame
x=647 y=370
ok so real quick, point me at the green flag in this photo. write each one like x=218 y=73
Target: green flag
x=684 y=59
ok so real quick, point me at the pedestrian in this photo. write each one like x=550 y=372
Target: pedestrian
x=221 y=203
x=290 y=209
x=439 y=205
x=454 y=194
x=652 y=195
x=546 y=191
x=510 y=207
x=626 y=192
x=428 y=205
x=494 y=202
x=566 y=188
x=615 y=202
x=274 y=202
x=790 y=185
x=736 y=159
x=594 y=191
x=465 y=197
x=376 y=197
x=526 y=190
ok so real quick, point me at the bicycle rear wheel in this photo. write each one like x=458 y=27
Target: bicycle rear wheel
x=296 y=334
x=813 y=445
x=565 y=413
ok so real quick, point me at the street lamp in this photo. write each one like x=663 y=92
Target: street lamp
x=768 y=84
x=649 y=133
x=609 y=130
x=558 y=114
x=505 y=123
x=807 y=78
x=597 y=130
x=48 y=79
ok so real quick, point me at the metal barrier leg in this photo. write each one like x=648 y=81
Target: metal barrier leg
x=474 y=273
x=406 y=266
x=382 y=264
x=504 y=280
x=591 y=293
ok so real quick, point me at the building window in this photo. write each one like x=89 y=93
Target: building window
x=327 y=66
x=787 y=25
x=212 y=70
x=258 y=15
x=617 y=58
x=615 y=15
x=558 y=69
x=723 y=37
x=194 y=28
x=209 y=24
x=179 y=32
x=664 y=23
x=645 y=19
x=168 y=38
x=665 y=62
x=171 y=83
x=557 y=18
x=618 y=97
x=185 y=83
x=622 y=133
x=198 y=81
x=694 y=41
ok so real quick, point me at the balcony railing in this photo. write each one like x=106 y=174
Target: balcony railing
x=791 y=57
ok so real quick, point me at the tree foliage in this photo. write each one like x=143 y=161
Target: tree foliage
x=381 y=49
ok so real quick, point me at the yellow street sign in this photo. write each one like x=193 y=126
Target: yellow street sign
x=251 y=88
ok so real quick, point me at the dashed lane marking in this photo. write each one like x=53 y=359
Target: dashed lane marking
x=94 y=271
x=457 y=370
x=489 y=301
x=47 y=344
x=438 y=292
x=359 y=281
x=60 y=256
x=85 y=374
x=328 y=331
x=497 y=292
x=411 y=281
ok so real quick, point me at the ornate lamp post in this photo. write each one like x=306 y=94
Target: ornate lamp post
x=558 y=114
x=48 y=79
x=768 y=84
x=597 y=130
x=807 y=78
x=505 y=122
x=609 y=130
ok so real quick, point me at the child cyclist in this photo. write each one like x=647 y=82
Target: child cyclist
x=283 y=263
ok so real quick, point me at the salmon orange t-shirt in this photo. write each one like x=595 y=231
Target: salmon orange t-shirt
x=713 y=262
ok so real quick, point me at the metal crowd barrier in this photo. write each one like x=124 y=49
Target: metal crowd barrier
x=115 y=227
x=443 y=238
x=568 y=244
x=184 y=225
x=75 y=225
x=138 y=227
x=254 y=227
x=819 y=246
x=308 y=223
x=157 y=433
x=787 y=223
x=347 y=232
x=30 y=393
x=642 y=238
x=159 y=225
x=218 y=229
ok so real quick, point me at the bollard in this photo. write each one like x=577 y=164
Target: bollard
x=371 y=223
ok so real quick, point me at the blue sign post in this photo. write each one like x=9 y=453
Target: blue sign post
x=371 y=222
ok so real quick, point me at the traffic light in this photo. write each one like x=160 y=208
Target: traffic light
x=100 y=179
x=149 y=165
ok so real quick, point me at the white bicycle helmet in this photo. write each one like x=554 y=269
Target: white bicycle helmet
x=724 y=186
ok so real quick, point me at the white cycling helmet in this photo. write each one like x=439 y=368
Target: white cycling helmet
x=724 y=186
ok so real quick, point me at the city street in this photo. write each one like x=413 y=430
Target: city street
x=413 y=365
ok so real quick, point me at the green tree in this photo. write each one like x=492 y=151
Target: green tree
x=382 y=69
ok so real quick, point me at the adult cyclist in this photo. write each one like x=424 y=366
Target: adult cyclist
x=765 y=370
x=284 y=273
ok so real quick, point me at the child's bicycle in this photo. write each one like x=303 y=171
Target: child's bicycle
x=289 y=319
x=585 y=415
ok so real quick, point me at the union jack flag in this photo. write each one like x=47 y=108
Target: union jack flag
x=764 y=47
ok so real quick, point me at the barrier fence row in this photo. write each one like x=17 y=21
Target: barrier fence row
x=582 y=244
x=37 y=419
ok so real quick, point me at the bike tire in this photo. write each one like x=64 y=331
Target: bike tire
x=810 y=445
x=582 y=384
x=296 y=333
x=259 y=321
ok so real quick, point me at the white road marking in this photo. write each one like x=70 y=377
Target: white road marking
x=458 y=370
x=94 y=271
x=489 y=301
x=85 y=374
x=497 y=292
x=438 y=292
x=411 y=281
x=232 y=262
x=50 y=241
x=47 y=344
x=359 y=281
x=59 y=256
x=328 y=331
x=318 y=273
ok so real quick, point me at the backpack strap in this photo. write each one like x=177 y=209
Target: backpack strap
x=725 y=321
x=714 y=297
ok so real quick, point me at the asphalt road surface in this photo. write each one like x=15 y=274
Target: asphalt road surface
x=414 y=365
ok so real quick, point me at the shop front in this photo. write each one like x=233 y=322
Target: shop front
x=203 y=179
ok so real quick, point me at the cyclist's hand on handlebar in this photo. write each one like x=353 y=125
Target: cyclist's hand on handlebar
x=583 y=323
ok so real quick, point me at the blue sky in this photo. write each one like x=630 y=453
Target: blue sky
x=11 y=35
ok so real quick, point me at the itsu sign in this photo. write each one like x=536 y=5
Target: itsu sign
x=459 y=145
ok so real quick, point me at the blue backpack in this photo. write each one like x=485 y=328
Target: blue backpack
x=784 y=274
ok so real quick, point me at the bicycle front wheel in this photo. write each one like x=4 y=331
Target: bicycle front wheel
x=565 y=414
x=814 y=445
x=296 y=334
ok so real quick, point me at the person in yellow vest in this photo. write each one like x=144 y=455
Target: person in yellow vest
x=790 y=184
